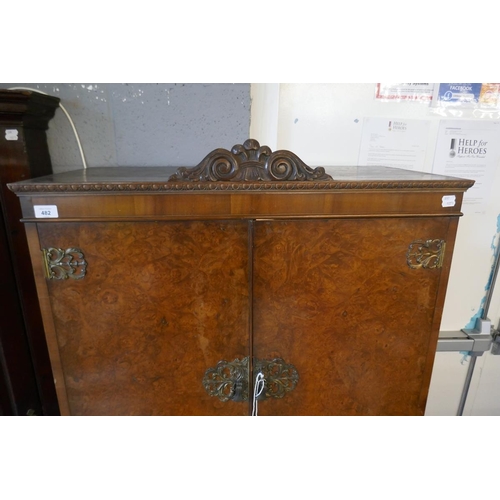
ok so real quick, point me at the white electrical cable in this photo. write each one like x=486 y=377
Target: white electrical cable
x=258 y=388
x=67 y=116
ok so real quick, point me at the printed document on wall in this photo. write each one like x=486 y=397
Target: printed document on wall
x=394 y=142
x=471 y=150
x=417 y=92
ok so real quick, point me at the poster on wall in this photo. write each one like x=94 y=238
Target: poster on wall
x=394 y=142
x=469 y=149
x=420 y=92
x=483 y=95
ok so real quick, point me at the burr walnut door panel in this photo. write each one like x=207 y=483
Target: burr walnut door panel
x=159 y=304
x=338 y=300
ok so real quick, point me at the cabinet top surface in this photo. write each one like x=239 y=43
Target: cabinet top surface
x=159 y=179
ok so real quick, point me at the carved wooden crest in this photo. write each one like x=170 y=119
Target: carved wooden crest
x=250 y=162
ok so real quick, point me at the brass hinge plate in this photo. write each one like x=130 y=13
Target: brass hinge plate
x=426 y=254
x=60 y=264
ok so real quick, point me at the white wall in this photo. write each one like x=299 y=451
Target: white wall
x=322 y=124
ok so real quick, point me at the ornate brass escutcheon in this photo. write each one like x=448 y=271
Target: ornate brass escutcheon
x=229 y=380
x=279 y=377
x=428 y=254
x=63 y=264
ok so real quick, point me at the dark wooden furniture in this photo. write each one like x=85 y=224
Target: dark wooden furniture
x=26 y=383
x=170 y=292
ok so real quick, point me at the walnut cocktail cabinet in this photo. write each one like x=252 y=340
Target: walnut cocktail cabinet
x=250 y=279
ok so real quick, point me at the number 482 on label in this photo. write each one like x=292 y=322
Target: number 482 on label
x=46 y=211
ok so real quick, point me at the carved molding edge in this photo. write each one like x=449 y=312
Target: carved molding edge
x=63 y=264
x=176 y=186
x=250 y=162
x=228 y=380
x=427 y=254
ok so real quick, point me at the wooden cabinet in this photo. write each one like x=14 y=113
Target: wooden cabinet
x=171 y=291
x=26 y=386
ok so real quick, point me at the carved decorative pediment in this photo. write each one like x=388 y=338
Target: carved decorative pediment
x=251 y=162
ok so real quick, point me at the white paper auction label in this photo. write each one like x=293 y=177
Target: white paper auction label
x=449 y=201
x=46 y=211
x=11 y=134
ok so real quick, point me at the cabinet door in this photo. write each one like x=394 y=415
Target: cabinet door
x=351 y=305
x=160 y=303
